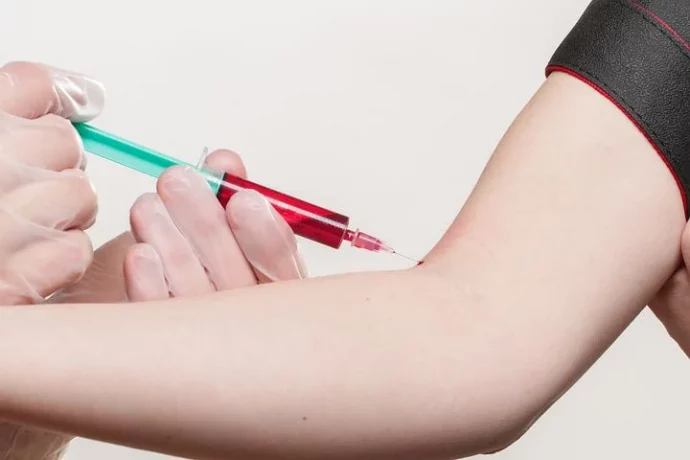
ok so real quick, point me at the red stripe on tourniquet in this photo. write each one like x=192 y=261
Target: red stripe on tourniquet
x=556 y=68
x=661 y=22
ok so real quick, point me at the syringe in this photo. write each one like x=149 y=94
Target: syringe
x=306 y=219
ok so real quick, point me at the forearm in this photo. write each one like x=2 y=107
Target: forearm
x=287 y=366
x=573 y=226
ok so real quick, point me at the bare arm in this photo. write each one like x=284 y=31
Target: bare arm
x=572 y=228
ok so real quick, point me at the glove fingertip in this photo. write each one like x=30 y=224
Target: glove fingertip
x=80 y=98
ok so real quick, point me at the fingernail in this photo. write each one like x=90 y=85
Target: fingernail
x=81 y=98
x=181 y=180
x=147 y=261
x=248 y=206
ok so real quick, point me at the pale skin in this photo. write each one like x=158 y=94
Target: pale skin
x=556 y=251
x=672 y=304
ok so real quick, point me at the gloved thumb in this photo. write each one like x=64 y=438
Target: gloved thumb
x=267 y=241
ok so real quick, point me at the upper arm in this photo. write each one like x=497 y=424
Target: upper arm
x=573 y=226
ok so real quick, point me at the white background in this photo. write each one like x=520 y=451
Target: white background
x=385 y=110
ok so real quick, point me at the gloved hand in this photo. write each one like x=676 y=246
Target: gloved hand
x=258 y=247
x=187 y=244
x=104 y=281
x=46 y=200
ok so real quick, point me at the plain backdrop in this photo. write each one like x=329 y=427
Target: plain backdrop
x=384 y=110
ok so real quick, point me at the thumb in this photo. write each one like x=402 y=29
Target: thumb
x=685 y=245
x=672 y=303
x=29 y=90
x=266 y=240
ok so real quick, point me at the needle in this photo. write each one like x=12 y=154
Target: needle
x=406 y=257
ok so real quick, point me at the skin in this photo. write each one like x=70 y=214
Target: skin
x=553 y=255
x=672 y=304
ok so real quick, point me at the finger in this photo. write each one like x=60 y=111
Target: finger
x=227 y=161
x=685 y=245
x=66 y=201
x=152 y=224
x=144 y=275
x=267 y=241
x=104 y=280
x=49 y=142
x=45 y=266
x=200 y=218
x=672 y=307
x=31 y=90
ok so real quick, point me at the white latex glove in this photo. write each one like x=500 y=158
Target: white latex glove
x=189 y=245
x=46 y=200
x=104 y=281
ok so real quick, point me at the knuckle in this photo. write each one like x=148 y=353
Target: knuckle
x=66 y=137
x=90 y=206
x=83 y=190
x=182 y=268
x=211 y=217
x=56 y=121
x=178 y=257
x=79 y=255
x=16 y=69
x=17 y=66
x=87 y=191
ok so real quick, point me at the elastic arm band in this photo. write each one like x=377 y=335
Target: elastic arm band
x=637 y=55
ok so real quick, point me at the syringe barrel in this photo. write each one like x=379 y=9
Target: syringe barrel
x=306 y=220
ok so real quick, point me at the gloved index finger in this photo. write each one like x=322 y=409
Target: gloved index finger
x=30 y=90
x=200 y=219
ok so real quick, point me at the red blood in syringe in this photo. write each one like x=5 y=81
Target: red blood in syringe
x=307 y=220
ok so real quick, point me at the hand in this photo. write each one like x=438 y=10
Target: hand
x=189 y=245
x=672 y=304
x=104 y=281
x=272 y=254
x=46 y=200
